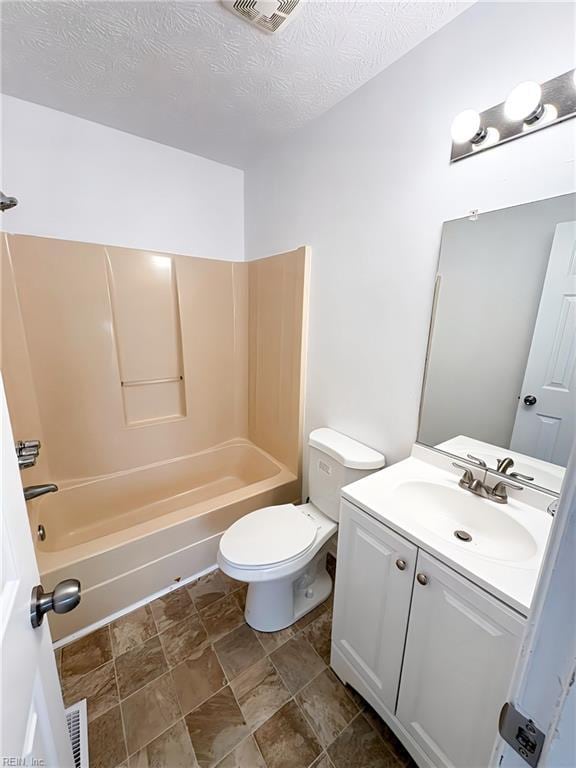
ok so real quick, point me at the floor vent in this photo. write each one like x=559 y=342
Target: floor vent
x=77 y=721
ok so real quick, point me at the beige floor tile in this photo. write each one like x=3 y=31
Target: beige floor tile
x=315 y=613
x=246 y=755
x=184 y=640
x=286 y=740
x=106 y=740
x=238 y=650
x=139 y=666
x=172 y=608
x=272 y=640
x=389 y=738
x=359 y=745
x=172 y=749
x=230 y=584
x=216 y=728
x=207 y=589
x=97 y=687
x=86 y=654
x=240 y=597
x=131 y=630
x=319 y=635
x=149 y=712
x=297 y=663
x=327 y=706
x=197 y=679
x=260 y=693
x=222 y=617
x=322 y=762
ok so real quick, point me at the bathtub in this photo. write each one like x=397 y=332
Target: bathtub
x=131 y=534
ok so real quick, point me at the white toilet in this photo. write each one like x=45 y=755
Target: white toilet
x=281 y=551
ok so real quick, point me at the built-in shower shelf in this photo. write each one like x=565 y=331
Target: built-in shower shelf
x=140 y=382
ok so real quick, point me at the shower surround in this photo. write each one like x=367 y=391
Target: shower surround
x=167 y=392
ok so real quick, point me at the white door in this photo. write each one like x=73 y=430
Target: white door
x=460 y=653
x=33 y=726
x=546 y=417
x=543 y=687
x=372 y=600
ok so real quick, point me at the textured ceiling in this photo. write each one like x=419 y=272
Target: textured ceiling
x=194 y=76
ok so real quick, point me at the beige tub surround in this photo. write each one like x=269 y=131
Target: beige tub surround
x=90 y=315
x=278 y=330
x=168 y=394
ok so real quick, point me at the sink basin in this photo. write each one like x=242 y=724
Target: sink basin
x=443 y=510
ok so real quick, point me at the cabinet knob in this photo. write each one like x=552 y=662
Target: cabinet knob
x=401 y=564
x=422 y=579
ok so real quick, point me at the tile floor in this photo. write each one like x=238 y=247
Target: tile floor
x=183 y=682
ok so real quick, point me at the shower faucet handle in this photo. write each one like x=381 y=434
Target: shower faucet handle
x=27 y=452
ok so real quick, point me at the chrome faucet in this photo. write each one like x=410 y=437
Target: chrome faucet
x=27 y=452
x=503 y=465
x=33 y=491
x=480 y=488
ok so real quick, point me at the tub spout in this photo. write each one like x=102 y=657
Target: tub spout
x=33 y=491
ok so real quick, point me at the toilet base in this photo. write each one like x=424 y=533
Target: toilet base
x=275 y=605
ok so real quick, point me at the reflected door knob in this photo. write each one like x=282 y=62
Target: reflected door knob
x=65 y=597
x=530 y=400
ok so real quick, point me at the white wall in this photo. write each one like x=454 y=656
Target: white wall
x=78 y=180
x=368 y=186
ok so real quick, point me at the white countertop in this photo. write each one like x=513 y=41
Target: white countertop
x=513 y=582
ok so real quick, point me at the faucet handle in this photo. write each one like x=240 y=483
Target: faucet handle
x=499 y=494
x=480 y=462
x=520 y=476
x=515 y=486
x=467 y=477
x=27 y=461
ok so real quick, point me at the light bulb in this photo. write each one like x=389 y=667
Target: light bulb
x=467 y=126
x=525 y=103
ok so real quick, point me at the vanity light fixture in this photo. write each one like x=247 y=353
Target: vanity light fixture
x=468 y=127
x=529 y=107
x=525 y=103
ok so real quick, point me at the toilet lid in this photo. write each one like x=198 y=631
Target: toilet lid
x=268 y=536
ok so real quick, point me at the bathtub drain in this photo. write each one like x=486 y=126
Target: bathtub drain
x=463 y=535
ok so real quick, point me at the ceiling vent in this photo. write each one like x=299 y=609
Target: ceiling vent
x=267 y=15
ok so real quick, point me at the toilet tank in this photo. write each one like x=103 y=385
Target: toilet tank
x=336 y=460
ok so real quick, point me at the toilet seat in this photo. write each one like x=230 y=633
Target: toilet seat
x=267 y=537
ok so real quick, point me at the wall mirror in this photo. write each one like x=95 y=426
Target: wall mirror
x=500 y=378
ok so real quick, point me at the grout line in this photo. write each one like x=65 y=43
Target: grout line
x=147 y=744
x=120 y=708
x=258 y=746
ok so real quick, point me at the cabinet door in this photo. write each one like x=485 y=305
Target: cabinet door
x=372 y=600
x=460 y=653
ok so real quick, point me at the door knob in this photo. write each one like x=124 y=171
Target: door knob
x=422 y=579
x=530 y=400
x=401 y=564
x=65 y=597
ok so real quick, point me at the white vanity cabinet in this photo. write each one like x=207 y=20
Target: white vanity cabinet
x=373 y=587
x=430 y=650
x=460 y=653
